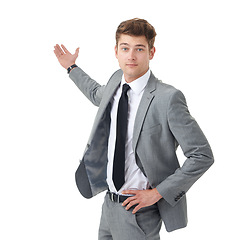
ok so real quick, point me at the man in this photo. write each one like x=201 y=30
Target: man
x=132 y=148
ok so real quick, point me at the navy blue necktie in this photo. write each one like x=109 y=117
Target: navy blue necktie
x=121 y=131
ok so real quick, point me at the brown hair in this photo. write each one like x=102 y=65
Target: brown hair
x=137 y=27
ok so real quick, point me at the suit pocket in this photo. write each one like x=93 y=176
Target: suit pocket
x=149 y=220
x=151 y=129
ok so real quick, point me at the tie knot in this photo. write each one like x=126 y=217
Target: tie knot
x=125 y=88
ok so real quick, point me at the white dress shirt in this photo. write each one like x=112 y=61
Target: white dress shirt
x=134 y=178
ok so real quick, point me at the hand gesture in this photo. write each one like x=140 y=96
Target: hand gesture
x=65 y=58
x=141 y=198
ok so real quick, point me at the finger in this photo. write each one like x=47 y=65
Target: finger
x=136 y=209
x=64 y=49
x=128 y=200
x=131 y=204
x=131 y=192
x=56 y=53
x=55 y=49
x=77 y=52
x=58 y=48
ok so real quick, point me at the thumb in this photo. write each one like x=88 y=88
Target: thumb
x=77 y=52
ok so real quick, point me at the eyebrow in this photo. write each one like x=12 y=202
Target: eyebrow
x=138 y=45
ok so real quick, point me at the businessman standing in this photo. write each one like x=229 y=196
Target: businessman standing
x=131 y=151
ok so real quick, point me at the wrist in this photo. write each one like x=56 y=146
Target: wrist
x=157 y=194
x=69 y=69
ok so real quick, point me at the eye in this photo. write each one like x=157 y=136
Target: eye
x=124 y=49
x=140 y=49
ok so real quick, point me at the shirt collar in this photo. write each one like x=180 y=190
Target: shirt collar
x=138 y=85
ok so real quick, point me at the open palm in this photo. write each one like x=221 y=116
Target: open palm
x=65 y=58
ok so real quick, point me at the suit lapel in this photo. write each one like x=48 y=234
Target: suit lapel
x=143 y=108
x=109 y=92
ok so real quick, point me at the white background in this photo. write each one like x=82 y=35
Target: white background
x=45 y=121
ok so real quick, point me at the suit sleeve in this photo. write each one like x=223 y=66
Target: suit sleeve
x=89 y=87
x=194 y=145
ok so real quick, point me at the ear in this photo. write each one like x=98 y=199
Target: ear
x=116 y=51
x=152 y=52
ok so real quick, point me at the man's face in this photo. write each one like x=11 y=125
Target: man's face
x=133 y=54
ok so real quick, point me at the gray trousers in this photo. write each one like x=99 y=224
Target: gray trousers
x=118 y=224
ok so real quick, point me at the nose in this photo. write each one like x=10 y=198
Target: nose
x=131 y=55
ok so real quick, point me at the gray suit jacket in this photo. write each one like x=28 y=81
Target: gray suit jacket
x=162 y=123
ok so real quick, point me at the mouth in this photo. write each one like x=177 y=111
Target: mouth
x=131 y=65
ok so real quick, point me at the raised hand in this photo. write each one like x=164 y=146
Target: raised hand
x=65 y=58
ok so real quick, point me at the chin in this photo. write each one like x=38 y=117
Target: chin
x=131 y=72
